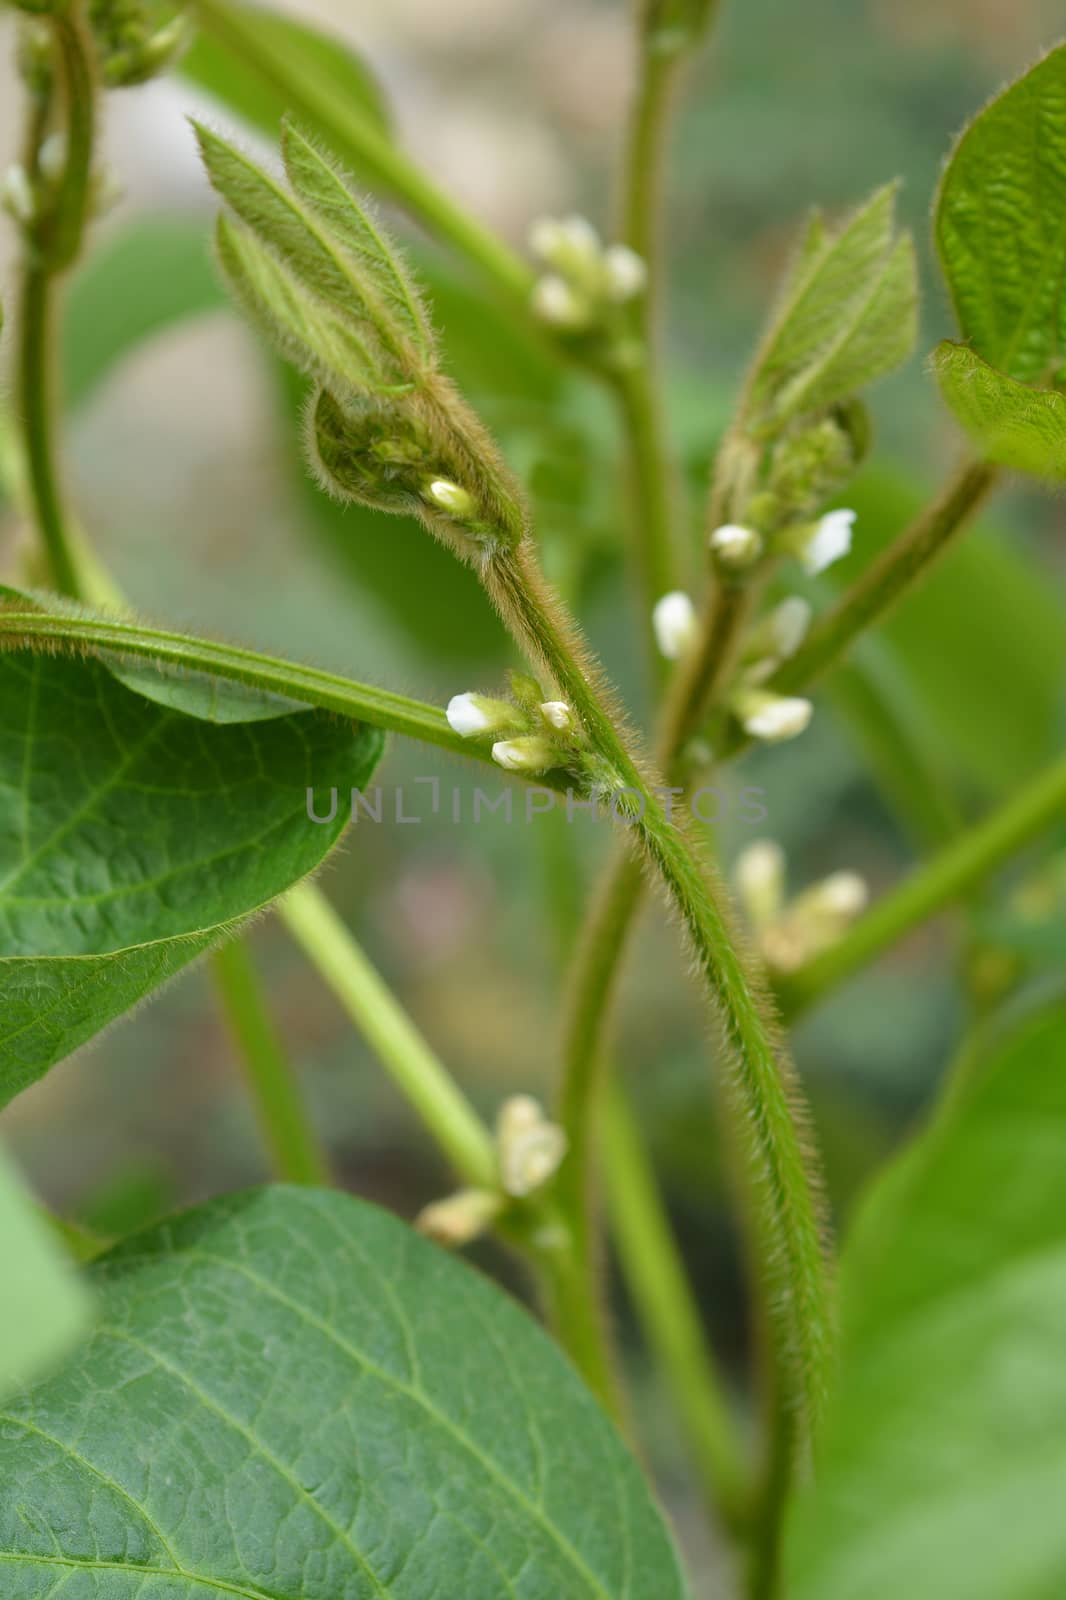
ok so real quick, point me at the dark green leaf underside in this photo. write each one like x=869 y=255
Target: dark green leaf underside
x=132 y=836
x=293 y=1397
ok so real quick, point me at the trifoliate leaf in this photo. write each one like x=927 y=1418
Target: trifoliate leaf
x=1001 y=224
x=133 y=837
x=1013 y=425
x=325 y=191
x=291 y=1396
x=315 y=259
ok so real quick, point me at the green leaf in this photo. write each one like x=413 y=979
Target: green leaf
x=327 y=194
x=1001 y=224
x=52 y=1307
x=826 y=294
x=318 y=261
x=252 y=56
x=292 y=1395
x=300 y=327
x=1013 y=425
x=132 y=837
x=942 y=1469
x=877 y=335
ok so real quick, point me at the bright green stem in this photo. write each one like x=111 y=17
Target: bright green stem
x=294 y=1146
x=940 y=881
x=52 y=243
x=656 y=1280
x=390 y=1033
x=759 y=1077
x=361 y=702
x=354 y=137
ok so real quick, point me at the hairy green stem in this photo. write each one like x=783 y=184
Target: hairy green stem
x=52 y=241
x=420 y=1075
x=945 y=878
x=656 y=1279
x=787 y=1217
x=295 y=1148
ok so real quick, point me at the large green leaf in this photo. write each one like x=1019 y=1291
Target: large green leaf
x=1013 y=425
x=1001 y=224
x=251 y=56
x=293 y=1397
x=51 y=1306
x=132 y=836
x=943 y=1468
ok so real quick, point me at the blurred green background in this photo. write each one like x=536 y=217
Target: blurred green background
x=184 y=464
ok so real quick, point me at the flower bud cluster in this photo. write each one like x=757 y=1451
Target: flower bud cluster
x=586 y=281
x=136 y=39
x=530 y=733
x=791 y=932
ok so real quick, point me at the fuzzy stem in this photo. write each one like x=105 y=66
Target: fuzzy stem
x=787 y=1211
x=297 y=1153
x=656 y=1279
x=419 y=1074
x=947 y=877
x=52 y=243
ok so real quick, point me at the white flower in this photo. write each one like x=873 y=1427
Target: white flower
x=471 y=714
x=17 y=194
x=759 y=874
x=625 y=273
x=530 y=1148
x=529 y=754
x=734 y=545
x=789 y=622
x=557 y=714
x=555 y=303
x=771 y=716
x=843 y=895
x=830 y=541
x=673 y=620
x=451 y=497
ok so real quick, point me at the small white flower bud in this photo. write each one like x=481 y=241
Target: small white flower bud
x=471 y=714
x=17 y=194
x=673 y=620
x=735 y=546
x=53 y=154
x=460 y=1218
x=625 y=274
x=557 y=714
x=789 y=623
x=557 y=304
x=759 y=874
x=530 y=1147
x=567 y=244
x=771 y=717
x=843 y=894
x=828 y=542
x=451 y=497
x=528 y=754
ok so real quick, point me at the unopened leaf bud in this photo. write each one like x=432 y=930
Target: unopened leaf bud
x=473 y=714
x=674 y=623
x=771 y=717
x=528 y=754
x=460 y=1218
x=735 y=546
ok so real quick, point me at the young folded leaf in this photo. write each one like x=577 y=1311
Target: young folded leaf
x=832 y=293
x=325 y=190
x=1000 y=224
x=1013 y=425
x=313 y=254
